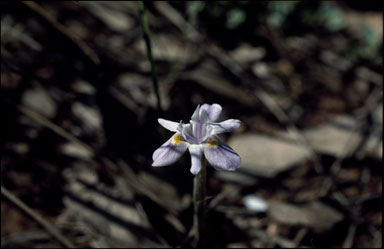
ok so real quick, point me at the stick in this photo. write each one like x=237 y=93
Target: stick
x=38 y=218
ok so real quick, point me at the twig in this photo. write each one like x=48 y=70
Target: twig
x=138 y=186
x=377 y=237
x=264 y=236
x=38 y=218
x=291 y=127
x=221 y=196
x=11 y=240
x=300 y=236
x=352 y=148
x=147 y=39
x=348 y=242
x=57 y=129
x=84 y=48
x=178 y=20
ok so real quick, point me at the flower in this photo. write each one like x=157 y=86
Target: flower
x=199 y=136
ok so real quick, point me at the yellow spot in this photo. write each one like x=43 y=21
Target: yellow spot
x=177 y=140
x=213 y=142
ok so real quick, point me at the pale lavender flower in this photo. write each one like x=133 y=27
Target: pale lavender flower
x=199 y=136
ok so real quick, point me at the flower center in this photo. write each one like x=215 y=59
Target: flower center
x=198 y=130
x=177 y=139
x=213 y=142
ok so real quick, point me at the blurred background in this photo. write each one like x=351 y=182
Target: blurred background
x=79 y=122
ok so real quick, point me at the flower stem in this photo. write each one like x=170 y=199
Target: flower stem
x=147 y=39
x=199 y=192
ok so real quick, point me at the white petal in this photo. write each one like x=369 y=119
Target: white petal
x=213 y=111
x=225 y=126
x=169 y=125
x=169 y=152
x=203 y=116
x=186 y=131
x=221 y=156
x=195 y=115
x=196 y=152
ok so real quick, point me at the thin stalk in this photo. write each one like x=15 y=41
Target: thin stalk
x=147 y=39
x=199 y=192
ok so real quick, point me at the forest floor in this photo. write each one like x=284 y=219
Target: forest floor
x=80 y=123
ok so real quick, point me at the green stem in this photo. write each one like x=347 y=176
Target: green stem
x=147 y=39
x=199 y=192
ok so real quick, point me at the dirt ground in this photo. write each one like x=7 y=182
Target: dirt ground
x=80 y=123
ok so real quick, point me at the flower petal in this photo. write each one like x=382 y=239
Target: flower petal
x=208 y=134
x=186 y=132
x=221 y=156
x=170 y=151
x=199 y=130
x=203 y=116
x=196 y=152
x=213 y=111
x=195 y=115
x=225 y=126
x=169 y=125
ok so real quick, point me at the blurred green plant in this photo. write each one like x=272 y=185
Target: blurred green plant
x=235 y=17
x=328 y=15
x=278 y=12
x=370 y=47
x=291 y=16
x=193 y=8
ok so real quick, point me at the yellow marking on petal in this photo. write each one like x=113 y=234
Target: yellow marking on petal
x=213 y=142
x=177 y=140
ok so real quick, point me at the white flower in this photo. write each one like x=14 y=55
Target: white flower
x=199 y=136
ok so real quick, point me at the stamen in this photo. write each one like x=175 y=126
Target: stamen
x=177 y=139
x=213 y=142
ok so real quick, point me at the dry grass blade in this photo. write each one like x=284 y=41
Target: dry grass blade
x=84 y=48
x=131 y=177
x=38 y=218
x=57 y=129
